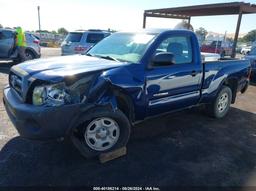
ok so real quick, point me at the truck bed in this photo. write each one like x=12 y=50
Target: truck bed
x=216 y=72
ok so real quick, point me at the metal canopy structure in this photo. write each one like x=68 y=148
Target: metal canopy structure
x=235 y=8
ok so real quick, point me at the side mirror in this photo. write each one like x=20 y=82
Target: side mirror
x=163 y=59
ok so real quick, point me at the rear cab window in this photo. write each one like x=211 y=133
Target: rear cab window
x=74 y=37
x=253 y=52
x=94 y=37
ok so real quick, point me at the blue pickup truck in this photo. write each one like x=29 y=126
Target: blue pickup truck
x=94 y=99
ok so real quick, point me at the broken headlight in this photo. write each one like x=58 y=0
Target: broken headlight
x=51 y=95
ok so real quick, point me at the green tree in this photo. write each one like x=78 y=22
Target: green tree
x=240 y=40
x=43 y=31
x=230 y=39
x=202 y=32
x=63 y=31
x=250 y=36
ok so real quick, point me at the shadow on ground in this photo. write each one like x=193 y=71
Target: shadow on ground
x=187 y=149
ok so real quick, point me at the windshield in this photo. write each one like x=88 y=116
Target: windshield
x=128 y=47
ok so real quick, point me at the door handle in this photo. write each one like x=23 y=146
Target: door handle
x=193 y=73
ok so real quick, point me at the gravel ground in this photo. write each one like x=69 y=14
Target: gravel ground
x=181 y=149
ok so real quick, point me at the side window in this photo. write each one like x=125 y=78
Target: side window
x=6 y=35
x=179 y=46
x=28 y=37
x=94 y=37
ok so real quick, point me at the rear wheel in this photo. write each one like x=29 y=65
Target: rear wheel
x=29 y=55
x=101 y=131
x=221 y=105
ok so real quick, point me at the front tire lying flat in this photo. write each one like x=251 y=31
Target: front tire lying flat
x=221 y=105
x=101 y=131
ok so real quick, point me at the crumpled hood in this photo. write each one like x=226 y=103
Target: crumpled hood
x=64 y=66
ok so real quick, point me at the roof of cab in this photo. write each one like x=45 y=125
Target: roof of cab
x=157 y=30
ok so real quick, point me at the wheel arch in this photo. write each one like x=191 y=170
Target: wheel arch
x=125 y=104
x=113 y=99
x=28 y=49
x=232 y=83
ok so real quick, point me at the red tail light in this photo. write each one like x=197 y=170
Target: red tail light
x=36 y=41
x=80 y=49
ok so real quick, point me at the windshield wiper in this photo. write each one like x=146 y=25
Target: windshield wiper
x=107 y=57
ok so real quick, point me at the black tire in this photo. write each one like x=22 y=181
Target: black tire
x=214 y=109
x=29 y=55
x=78 y=137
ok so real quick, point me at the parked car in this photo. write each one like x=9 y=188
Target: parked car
x=219 y=47
x=94 y=99
x=252 y=57
x=246 y=50
x=33 y=46
x=78 y=42
x=8 y=50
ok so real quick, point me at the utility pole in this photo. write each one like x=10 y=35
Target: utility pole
x=225 y=36
x=39 y=22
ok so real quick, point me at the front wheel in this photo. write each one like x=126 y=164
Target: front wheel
x=221 y=105
x=101 y=131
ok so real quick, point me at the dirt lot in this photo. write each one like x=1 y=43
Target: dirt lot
x=182 y=149
x=48 y=52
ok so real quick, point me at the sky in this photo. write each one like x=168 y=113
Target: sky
x=114 y=14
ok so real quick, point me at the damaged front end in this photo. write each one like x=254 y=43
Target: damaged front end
x=62 y=93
